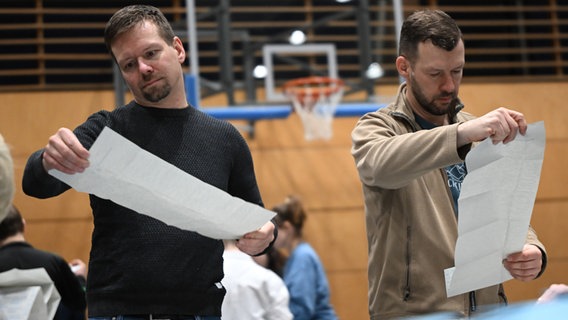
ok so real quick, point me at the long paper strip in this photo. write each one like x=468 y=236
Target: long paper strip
x=132 y=177
x=495 y=208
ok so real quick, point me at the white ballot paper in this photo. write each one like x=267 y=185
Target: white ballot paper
x=122 y=172
x=495 y=206
x=27 y=295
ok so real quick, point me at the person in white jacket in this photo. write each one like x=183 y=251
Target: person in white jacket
x=253 y=291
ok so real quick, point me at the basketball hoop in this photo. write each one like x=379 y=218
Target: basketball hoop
x=315 y=100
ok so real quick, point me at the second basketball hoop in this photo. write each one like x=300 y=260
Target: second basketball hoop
x=315 y=100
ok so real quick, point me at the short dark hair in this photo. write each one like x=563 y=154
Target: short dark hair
x=428 y=24
x=12 y=224
x=130 y=16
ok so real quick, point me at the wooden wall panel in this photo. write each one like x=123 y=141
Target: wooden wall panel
x=537 y=101
x=321 y=172
x=550 y=220
x=554 y=174
x=337 y=235
x=70 y=237
x=325 y=178
x=518 y=291
x=349 y=294
x=30 y=118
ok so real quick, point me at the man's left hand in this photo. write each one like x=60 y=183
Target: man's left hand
x=524 y=265
x=255 y=242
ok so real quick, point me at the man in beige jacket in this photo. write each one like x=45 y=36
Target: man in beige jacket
x=410 y=158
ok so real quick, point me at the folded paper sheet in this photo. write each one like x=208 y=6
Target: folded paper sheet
x=132 y=177
x=495 y=207
x=27 y=294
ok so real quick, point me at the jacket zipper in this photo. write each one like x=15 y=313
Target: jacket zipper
x=501 y=294
x=472 y=301
x=407 y=286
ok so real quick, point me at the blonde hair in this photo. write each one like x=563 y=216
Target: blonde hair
x=6 y=179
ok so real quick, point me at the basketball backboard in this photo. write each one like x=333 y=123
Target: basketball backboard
x=300 y=59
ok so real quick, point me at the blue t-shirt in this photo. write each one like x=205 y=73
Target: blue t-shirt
x=307 y=283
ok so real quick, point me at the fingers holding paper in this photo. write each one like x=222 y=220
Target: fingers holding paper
x=255 y=242
x=524 y=265
x=500 y=125
x=65 y=153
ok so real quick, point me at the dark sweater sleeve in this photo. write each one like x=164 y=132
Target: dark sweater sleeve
x=36 y=182
x=242 y=181
x=247 y=185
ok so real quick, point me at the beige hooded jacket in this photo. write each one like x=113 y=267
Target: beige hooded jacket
x=410 y=219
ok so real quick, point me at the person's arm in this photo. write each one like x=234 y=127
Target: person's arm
x=500 y=125
x=66 y=151
x=389 y=157
x=63 y=152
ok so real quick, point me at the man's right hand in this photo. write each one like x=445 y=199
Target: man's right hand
x=500 y=125
x=65 y=153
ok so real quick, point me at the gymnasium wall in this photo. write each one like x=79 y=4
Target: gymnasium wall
x=321 y=172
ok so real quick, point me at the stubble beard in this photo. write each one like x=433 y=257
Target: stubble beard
x=430 y=106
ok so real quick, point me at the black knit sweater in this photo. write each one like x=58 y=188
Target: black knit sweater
x=139 y=265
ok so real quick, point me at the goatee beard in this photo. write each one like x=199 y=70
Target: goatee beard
x=158 y=94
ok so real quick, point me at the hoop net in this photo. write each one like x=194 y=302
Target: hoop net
x=315 y=100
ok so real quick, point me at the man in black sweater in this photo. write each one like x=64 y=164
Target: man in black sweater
x=140 y=267
x=15 y=252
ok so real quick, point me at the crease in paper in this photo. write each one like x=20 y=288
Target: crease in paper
x=121 y=171
x=495 y=208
